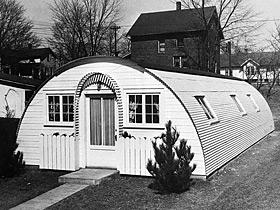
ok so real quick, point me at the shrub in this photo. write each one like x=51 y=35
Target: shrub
x=172 y=174
x=11 y=162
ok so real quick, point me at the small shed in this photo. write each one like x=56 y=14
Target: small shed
x=78 y=117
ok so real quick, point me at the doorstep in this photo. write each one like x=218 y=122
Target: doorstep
x=89 y=176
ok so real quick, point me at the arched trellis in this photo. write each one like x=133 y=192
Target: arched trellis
x=102 y=79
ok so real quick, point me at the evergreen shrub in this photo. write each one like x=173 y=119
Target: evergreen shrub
x=171 y=169
x=11 y=162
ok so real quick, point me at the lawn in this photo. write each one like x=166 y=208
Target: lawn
x=248 y=182
x=14 y=191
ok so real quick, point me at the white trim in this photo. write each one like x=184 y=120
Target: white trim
x=207 y=109
x=61 y=123
x=161 y=42
x=144 y=124
x=257 y=108
x=238 y=105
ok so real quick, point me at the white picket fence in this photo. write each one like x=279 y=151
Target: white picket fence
x=133 y=155
x=59 y=152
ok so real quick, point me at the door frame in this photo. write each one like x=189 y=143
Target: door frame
x=99 y=148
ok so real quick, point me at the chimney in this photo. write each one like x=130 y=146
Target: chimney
x=178 y=5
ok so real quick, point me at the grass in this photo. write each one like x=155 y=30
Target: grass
x=248 y=182
x=16 y=190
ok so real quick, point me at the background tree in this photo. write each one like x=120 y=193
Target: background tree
x=15 y=28
x=236 y=16
x=82 y=27
x=236 y=20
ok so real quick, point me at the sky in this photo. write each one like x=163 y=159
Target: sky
x=39 y=12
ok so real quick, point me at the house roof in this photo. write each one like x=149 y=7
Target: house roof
x=25 y=54
x=260 y=58
x=174 y=21
x=19 y=82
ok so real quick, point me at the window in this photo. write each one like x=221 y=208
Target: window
x=238 y=104
x=250 y=71
x=209 y=112
x=143 y=108
x=180 y=42
x=183 y=62
x=256 y=107
x=60 y=108
x=161 y=46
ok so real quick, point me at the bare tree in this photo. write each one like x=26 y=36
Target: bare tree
x=15 y=28
x=82 y=27
x=235 y=16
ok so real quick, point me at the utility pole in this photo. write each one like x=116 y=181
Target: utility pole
x=115 y=28
x=229 y=57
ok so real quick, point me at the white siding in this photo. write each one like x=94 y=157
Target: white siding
x=234 y=133
x=128 y=79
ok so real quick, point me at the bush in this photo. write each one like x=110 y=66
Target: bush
x=172 y=174
x=11 y=163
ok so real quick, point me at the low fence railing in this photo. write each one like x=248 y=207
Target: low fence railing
x=133 y=155
x=58 y=152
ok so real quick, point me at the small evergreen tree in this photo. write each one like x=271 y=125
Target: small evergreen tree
x=172 y=174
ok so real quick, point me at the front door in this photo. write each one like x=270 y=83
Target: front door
x=101 y=144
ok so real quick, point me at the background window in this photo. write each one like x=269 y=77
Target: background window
x=161 y=46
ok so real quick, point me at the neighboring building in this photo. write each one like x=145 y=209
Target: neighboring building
x=253 y=67
x=80 y=116
x=179 y=38
x=15 y=92
x=37 y=63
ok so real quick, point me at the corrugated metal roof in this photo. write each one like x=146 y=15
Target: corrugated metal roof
x=175 y=21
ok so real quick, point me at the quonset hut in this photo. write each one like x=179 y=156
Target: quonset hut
x=78 y=117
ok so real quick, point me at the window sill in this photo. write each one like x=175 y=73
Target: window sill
x=214 y=121
x=144 y=126
x=60 y=125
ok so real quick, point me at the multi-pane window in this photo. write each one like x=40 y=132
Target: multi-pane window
x=143 y=108
x=152 y=108
x=183 y=62
x=161 y=46
x=68 y=108
x=60 y=108
x=206 y=107
x=135 y=109
x=238 y=104
x=251 y=71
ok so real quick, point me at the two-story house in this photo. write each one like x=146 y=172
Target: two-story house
x=36 y=63
x=187 y=38
x=253 y=67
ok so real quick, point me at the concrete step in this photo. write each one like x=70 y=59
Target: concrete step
x=89 y=176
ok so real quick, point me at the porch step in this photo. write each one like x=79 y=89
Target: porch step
x=89 y=176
